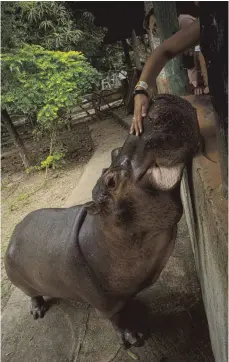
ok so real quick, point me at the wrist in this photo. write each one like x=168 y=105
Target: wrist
x=139 y=88
x=140 y=91
x=142 y=85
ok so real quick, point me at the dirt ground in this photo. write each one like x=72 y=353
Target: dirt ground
x=22 y=193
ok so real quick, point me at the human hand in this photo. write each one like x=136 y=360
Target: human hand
x=201 y=90
x=198 y=90
x=141 y=104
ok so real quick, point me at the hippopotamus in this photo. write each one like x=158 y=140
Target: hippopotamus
x=109 y=249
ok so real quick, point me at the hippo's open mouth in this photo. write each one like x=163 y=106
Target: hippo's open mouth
x=145 y=173
x=165 y=177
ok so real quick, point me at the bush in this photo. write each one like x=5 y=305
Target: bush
x=44 y=82
x=52 y=161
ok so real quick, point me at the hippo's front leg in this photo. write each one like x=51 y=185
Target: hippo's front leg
x=38 y=307
x=127 y=336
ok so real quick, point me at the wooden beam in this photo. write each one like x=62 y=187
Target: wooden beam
x=126 y=53
x=136 y=52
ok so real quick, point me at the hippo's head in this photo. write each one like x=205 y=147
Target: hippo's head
x=153 y=163
x=122 y=197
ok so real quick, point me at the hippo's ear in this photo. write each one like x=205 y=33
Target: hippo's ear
x=166 y=178
x=115 y=153
x=92 y=208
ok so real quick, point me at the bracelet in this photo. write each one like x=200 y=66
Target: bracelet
x=142 y=84
x=140 y=91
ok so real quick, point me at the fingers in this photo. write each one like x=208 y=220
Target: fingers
x=144 y=110
x=136 y=126
x=206 y=90
x=140 y=111
x=198 y=91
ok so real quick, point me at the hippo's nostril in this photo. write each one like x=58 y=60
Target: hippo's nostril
x=110 y=182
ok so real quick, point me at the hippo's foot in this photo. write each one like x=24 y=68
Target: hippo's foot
x=127 y=334
x=39 y=307
x=129 y=338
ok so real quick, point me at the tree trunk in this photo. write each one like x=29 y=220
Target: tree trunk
x=167 y=24
x=7 y=121
x=136 y=52
x=151 y=40
x=144 y=43
x=126 y=53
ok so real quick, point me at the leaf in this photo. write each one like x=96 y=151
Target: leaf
x=88 y=16
x=132 y=355
x=45 y=24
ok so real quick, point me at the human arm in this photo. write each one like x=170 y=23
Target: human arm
x=176 y=44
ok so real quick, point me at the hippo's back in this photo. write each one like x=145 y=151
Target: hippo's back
x=37 y=249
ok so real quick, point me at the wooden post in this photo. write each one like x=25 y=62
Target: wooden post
x=7 y=122
x=126 y=53
x=136 y=52
x=167 y=24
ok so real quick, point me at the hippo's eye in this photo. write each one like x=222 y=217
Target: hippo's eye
x=110 y=182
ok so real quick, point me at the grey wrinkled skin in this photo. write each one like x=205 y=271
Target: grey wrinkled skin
x=109 y=249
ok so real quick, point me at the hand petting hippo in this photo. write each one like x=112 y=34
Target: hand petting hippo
x=108 y=250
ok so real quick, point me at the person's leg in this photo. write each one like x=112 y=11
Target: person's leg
x=203 y=72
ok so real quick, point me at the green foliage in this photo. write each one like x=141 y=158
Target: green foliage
x=13 y=30
x=52 y=161
x=23 y=197
x=51 y=25
x=113 y=57
x=43 y=82
x=92 y=36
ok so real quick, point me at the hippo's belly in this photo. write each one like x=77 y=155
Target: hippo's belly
x=135 y=272
x=125 y=269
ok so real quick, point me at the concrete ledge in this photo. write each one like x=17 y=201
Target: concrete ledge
x=206 y=213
